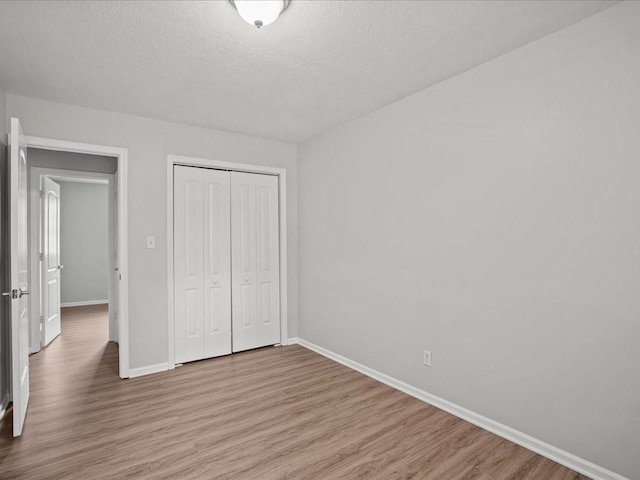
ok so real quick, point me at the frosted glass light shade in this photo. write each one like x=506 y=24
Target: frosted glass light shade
x=259 y=12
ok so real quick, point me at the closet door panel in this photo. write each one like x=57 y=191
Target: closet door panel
x=217 y=263
x=268 y=260
x=243 y=261
x=189 y=263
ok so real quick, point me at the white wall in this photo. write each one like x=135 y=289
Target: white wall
x=495 y=220
x=84 y=242
x=148 y=143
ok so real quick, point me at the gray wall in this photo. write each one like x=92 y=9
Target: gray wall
x=84 y=238
x=37 y=157
x=148 y=143
x=495 y=220
x=4 y=303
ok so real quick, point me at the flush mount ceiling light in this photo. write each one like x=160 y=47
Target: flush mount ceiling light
x=260 y=12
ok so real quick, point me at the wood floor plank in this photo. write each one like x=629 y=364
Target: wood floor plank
x=267 y=414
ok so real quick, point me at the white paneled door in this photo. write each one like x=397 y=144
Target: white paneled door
x=51 y=260
x=19 y=304
x=217 y=264
x=255 y=260
x=226 y=262
x=202 y=263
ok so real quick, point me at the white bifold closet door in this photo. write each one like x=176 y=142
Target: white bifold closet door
x=255 y=278
x=226 y=262
x=202 y=260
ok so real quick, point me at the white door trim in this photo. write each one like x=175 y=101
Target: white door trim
x=281 y=173
x=122 y=220
x=35 y=209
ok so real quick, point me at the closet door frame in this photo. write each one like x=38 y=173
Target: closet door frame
x=281 y=173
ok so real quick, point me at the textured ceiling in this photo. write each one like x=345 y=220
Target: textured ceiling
x=321 y=64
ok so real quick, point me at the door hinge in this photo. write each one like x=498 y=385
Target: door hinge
x=115 y=314
x=41 y=318
x=41 y=193
x=41 y=256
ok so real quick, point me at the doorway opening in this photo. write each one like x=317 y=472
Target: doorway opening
x=20 y=261
x=79 y=168
x=72 y=242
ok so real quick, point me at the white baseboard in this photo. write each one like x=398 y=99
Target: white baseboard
x=538 y=446
x=148 y=370
x=4 y=405
x=82 y=304
x=292 y=341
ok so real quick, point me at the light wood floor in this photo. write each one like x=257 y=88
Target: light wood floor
x=275 y=413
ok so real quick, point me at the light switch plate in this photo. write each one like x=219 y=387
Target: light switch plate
x=426 y=358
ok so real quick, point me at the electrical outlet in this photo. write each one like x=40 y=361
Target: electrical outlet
x=426 y=358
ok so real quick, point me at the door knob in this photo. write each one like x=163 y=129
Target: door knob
x=60 y=267
x=15 y=293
